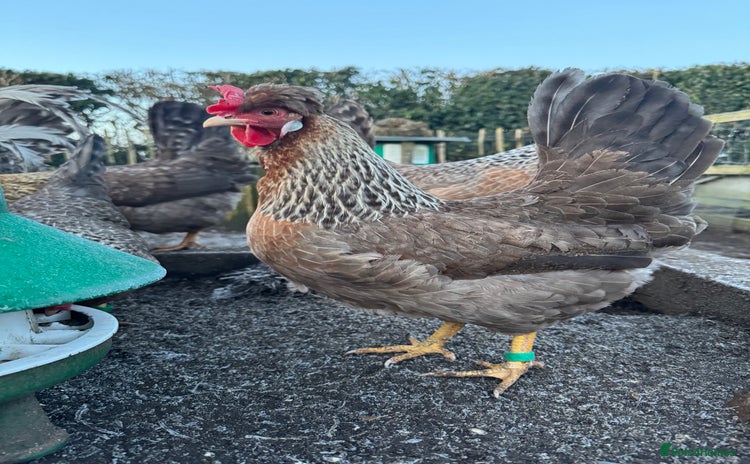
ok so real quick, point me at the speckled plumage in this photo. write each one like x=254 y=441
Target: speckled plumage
x=75 y=200
x=355 y=116
x=617 y=154
x=476 y=177
x=456 y=180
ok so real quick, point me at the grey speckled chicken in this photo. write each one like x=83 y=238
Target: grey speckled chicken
x=618 y=157
x=75 y=200
x=194 y=182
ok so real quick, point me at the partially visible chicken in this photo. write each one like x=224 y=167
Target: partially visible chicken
x=618 y=159
x=75 y=200
x=36 y=121
x=193 y=184
x=355 y=116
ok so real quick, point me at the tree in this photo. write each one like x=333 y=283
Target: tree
x=337 y=83
x=497 y=98
x=718 y=88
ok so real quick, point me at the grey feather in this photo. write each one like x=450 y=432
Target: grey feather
x=75 y=200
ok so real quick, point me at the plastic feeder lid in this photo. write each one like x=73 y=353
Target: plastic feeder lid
x=42 y=266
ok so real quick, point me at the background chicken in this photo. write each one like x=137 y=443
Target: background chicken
x=355 y=116
x=194 y=182
x=37 y=122
x=618 y=156
x=75 y=200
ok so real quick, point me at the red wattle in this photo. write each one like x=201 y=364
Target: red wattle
x=253 y=136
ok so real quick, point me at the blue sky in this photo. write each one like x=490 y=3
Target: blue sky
x=381 y=35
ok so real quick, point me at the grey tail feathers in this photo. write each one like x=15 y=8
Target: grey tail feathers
x=662 y=132
x=85 y=168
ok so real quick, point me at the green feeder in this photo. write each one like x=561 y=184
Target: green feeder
x=41 y=266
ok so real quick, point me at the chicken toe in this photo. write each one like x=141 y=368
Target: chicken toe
x=520 y=359
x=433 y=344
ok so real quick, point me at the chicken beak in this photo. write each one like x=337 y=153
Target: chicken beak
x=222 y=121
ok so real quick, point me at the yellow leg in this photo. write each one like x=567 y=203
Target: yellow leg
x=186 y=242
x=509 y=371
x=433 y=344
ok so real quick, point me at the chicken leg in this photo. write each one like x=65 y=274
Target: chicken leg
x=433 y=344
x=509 y=371
x=186 y=242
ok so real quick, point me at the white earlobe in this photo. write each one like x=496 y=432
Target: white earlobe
x=291 y=126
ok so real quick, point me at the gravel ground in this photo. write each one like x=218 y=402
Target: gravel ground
x=262 y=378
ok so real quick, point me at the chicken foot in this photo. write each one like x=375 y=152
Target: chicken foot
x=187 y=242
x=508 y=372
x=433 y=344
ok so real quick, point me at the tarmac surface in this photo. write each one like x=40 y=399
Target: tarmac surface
x=260 y=376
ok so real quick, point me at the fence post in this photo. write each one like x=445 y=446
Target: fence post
x=499 y=140
x=519 y=138
x=440 y=147
x=480 y=141
x=109 y=157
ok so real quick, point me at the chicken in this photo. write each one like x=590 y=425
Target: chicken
x=487 y=175
x=618 y=157
x=193 y=184
x=75 y=200
x=37 y=120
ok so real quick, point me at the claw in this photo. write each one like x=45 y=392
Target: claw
x=415 y=349
x=508 y=373
x=433 y=344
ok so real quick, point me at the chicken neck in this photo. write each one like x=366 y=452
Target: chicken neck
x=326 y=175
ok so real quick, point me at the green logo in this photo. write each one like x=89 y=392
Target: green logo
x=667 y=449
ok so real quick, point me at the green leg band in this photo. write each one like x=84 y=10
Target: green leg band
x=519 y=357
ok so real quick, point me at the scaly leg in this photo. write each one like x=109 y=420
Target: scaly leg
x=433 y=344
x=186 y=242
x=518 y=360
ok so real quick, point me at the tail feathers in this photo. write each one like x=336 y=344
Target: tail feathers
x=546 y=99
x=83 y=172
x=616 y=149
x=356 y=117
x=177 y=127
x=634 y=124
x=654 y=127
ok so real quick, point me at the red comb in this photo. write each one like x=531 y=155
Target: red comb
x=233 y=97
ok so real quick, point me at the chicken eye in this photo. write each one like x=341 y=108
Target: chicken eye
x=268 y=112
